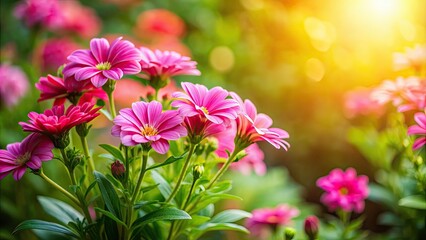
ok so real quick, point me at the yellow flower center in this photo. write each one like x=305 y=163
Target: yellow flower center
x=343 y=191
x=205 y=110
x=149 y=131
x=103 y=66
x=22 y=159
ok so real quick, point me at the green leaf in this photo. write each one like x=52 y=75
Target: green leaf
x=110 y=215
x=109 y=195
x=229 y=216
x=222 y=226
x=43 y=225
x=149 y=188
x=161 y=214
x=106 y=113
x=113 y=150
x=414 y=201
x=381 y=195
x=92 y=185
x=221 y=187
x=59 y=210
x=168 y=161
x=163 y=185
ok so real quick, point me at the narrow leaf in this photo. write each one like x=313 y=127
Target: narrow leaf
x=59 y=210
x=168 y=161
x=163 y=185
x=110 y=215
x=222 y=226
x=415 y=201
x=161 y=214
x=43 y=225
x=229 y=216
x=109 y=195
x=113 y=150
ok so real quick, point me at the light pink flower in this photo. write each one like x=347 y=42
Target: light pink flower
x=102 y=61
x=39 y=12
x=412 y=58
x=419 y=129
x=146 y=123
x=395 y=91
x=359 y=103
x=53 y=53
x=56 y=122
x=61 y=89
x=79 y=19
x=253 y=127
x=270 y=219
x=29 y=153
x=252 y=162
x=159 y=23
x=13 y=85
x=344 y=190
x=414 y=100
x=212 y=104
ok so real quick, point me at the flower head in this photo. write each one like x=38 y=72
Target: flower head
x=29 y=153
x=253 y=127
x=103 y=61
x=358 y=102
x=159 y=23
x=413 y=57
x=146 y=123
x=344 y=190
x=419 y=129
x=13 y=85
x=53 y=53
x=199 y=128
x=56 y=122
x=270 y=218
x=79 y=19
x=40 y=12
x=395 y=91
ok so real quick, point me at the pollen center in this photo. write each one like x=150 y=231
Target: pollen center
x=149 y=131
x=343 y=191
x=205 y=110
x=103 y=66
x=22 y=159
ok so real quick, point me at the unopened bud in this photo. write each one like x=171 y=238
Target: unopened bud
x=289 y=233
x=197 y=171
x=311 y=227
x=73 y=158
x=118 y=170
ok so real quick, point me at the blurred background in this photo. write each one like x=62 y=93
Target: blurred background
x=296 y=60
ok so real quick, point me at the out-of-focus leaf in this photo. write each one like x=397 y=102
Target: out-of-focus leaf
x=168 y=161
x=43 y=225
x=109 y=195
x=414 y=201
x=381 y=195
x=161 y=214
x=113 y=150
x=59 y=210
x=229 y=216
x=163 y=185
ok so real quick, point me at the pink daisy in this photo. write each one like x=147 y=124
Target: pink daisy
x=103 y=61
x=253 y=127
x=61 y=89
x=344 y=190
x=419 y=129
x=146 y=123
x=199 y=128
x=212 y=104
x=13 y=85
x=29 y=153
x=53 y=53
x=40 y=12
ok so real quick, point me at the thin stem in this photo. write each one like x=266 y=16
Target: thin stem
x=182 y=173
x=189 y=194
x=172 y=226
x=91 y=164
x=141 y=175
x=224 y=168
x=110 y=90
x=62 y=190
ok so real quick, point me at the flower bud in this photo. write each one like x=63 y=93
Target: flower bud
x=73 y=158
x=289 y=233
x=118 y=170
x=312 y=227
x=197 y=171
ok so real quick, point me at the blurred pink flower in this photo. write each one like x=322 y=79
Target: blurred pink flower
x=344 y=190
x=46 y=13
x=396 y=91
x=412 y=58
x=358 y=102
x=79 y=19
x=414 y=100
x=102 y=61
x=159 y=23
x=146 y=123
x=53 y=53
x=61 y=89
x=270 y=219
x=253 y=127
x=419 y=129
x=212 y=104
x=252 y=162
x=13 y=85
x=30 y=153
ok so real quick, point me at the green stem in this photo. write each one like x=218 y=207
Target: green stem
x=189 y=194
x=91 y=164
x=109 y=89
x=141 y=175
x=55 y=185
x=182 y=173
x=224 y=168
x=172 y=226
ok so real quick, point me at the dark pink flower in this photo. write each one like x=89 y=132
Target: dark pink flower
x=30 y=153
x=212 y=104
x=253 y=127
x=61 y=89
x=40 y=12
x=270 y=219
x=13 y=85
x=102 y=61
x=199 y=128
x=159 y=23
x=311 y=227
x=146 y=123
x=79 y=19
x=419 y=129
x=53 y=53
x=344 y=190
x=56 y=122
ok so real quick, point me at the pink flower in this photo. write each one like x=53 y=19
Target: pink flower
x=53 y=53
x=344 y=190
x=212 y=104
x=413 y=57
x=146 y=123
x=29 y=153
x=102 y=61
x=199 y=128
x=56 y=122
x=396 y=91
x=419 y=129
x=79 y=19
x=61 y=89
x=359 y=103
x=270 y=219
x=414 y=100
x=253 y=127
x=40 y=12
x=311 y=227
x=159 y=23
x=252 y=162
x=13 y=85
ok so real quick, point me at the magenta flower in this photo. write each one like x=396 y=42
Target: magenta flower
x=79 y=19
x=61 y=89
x=56 y=122
x=266 y=219
x=211 y=104
x=253 y=127
x=146 y=123
x=199 y=128
x=419 y=129
x=40 y=12
x=13 y=85
x=29 y=153
x=53 y=53
x=344 y=190
x=102 y=61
